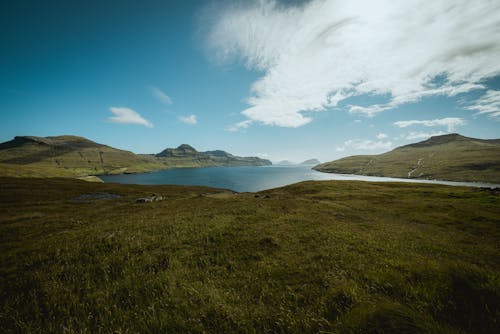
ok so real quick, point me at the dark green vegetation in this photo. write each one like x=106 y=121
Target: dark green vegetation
x=331 y=256
x=71 y=156
x=449 y=157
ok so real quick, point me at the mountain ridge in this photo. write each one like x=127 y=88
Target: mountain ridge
x=187 y=155
x=74 y=156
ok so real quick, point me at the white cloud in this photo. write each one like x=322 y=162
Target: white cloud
x=488 y=104
x=241 y=125
x=414 y=97
x=364 y=145
x=450 y=122
x=316 y=54
x=128 y=116
x=381 y=136
x=161 y=95
x=191 y=119
x=422 y=135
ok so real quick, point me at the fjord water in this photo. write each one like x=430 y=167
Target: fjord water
x=242 y=179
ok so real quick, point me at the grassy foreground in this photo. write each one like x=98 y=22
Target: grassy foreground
x=332 y=256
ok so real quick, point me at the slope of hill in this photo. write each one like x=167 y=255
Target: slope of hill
x=187 y=156
x=72 y=156
x=449 y=157
x=68 y=156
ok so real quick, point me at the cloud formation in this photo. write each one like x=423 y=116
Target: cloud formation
x=191 y=119
x=240 y=125
x=381 y=136
x=161 y=96
x=128 y=116
x=422 y=135
x=488 y=104
x=365 y=145
x=451 y=123
x=314 y=55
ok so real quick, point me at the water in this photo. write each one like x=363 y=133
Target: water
x=253 y=178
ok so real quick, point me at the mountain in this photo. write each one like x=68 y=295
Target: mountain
x=311 y=162
x=72 y=156
x=284 y=163
x=187 y=156
x=68 y=156
x=449 y=157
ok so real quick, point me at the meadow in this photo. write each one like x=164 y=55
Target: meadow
x=312 y=257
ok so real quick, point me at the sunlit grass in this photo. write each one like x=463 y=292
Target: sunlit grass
x=315 y=256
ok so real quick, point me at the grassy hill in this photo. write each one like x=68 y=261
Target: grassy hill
x=449 y=157
x=68 y=156
x=331 y=256
x=71 y=156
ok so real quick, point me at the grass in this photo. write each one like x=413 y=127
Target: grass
x=332 y=257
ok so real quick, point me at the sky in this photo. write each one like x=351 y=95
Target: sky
x=283 y=80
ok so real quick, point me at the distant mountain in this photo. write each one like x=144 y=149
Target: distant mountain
x=187 y=156
x=308 y=162
x=449 y=157
x=68 y=156
x=311 y=162
x=72 y=156
x=284 y=163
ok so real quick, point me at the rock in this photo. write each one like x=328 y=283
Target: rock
x=149 y=199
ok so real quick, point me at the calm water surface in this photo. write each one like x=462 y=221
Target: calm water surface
x=252 y=178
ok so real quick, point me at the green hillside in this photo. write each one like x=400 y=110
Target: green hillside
x=68 y=156
x=449 y=157
x=313 y=257
x=72 y=156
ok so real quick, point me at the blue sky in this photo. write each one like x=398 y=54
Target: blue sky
x=282 y=80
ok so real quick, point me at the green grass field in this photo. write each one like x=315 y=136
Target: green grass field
x=329 y=257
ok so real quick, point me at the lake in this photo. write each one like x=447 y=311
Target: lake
x=253 y=178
